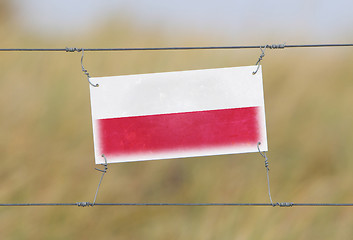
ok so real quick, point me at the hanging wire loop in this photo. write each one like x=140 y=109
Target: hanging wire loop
x=82 y=67
x=263 y=48
x=260 y=59
x=263 y=154
x=103 y=172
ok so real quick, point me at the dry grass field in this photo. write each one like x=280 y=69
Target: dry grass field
x=46 y=146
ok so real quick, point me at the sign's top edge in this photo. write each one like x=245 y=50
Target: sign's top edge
x=252 y=67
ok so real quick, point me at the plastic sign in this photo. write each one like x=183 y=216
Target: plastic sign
x=178 y=114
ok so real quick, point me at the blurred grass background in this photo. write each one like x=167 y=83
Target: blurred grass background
x=46 y=145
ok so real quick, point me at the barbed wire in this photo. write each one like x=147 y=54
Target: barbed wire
x=272 y=46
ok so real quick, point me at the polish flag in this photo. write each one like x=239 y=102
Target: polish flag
x=178 y=114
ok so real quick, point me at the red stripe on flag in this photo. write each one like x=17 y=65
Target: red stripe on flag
x=179 y=131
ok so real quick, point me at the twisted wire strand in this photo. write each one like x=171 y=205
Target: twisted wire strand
x=263 y=154
x=260 y=59
x=103 y=172
x=82 y=67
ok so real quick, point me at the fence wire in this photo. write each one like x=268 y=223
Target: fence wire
x=88 y=204
x=271 y=46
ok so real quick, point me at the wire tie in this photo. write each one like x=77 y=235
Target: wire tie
x=67 y=49
x=276 y=46
x=103 y=172
x=285 y=204
x=263 y=154
x=273 y=46
x=104 y=164
x=84 y=204
x=260 y=59
x=85 y=71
